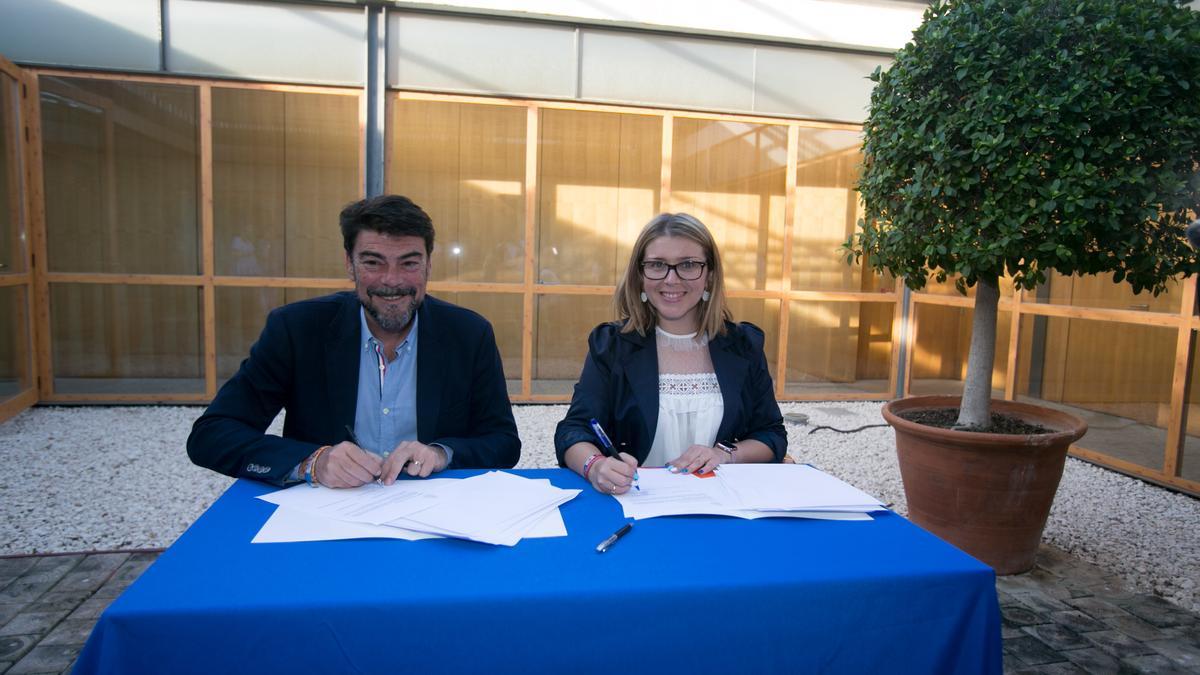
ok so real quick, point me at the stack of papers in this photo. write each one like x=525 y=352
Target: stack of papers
x=748 y=491
x=495 y=508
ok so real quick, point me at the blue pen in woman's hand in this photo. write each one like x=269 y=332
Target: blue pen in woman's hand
x=608 y=449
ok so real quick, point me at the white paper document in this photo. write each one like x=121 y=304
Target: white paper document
x=495 y=507
x=767 y=490
x=792 y=487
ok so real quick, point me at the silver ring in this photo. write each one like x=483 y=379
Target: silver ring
x=416 y=463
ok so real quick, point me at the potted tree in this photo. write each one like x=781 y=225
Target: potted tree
x=1008 y=139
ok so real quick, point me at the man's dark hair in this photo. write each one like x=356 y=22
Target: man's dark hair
x=393 y=215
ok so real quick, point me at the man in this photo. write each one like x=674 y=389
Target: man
x=375 y=382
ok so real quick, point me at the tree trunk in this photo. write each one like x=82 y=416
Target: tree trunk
x=975 y=413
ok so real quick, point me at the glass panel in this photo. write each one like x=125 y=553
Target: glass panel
x=464 y=164
x=16 y=368
x=12 y=221
x=561 y=328
x=505 y=312
x=731 y=176
x=1190 y=461
x=599 y=186
x=1116 y=376
x=284 y=165
x=1098 y=290
x=241 y=315
x=120 y=163
x=939 y=358
x=839 y=347
x=827 y=211
x=109 y=339
x=765 y=315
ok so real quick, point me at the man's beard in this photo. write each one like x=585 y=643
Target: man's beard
x=392 y=320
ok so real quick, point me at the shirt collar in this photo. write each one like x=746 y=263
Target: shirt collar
x=369 y=340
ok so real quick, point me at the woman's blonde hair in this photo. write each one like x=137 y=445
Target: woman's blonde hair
x=641 y=316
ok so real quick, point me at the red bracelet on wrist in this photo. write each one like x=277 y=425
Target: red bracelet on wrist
x=587 y=466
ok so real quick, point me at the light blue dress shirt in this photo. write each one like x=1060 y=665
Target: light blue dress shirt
x=386 y=412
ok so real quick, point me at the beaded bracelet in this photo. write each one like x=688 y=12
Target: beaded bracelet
x=310 y=471
x=587 y=466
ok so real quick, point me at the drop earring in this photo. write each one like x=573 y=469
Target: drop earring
x=705 y=295
x=644 y=298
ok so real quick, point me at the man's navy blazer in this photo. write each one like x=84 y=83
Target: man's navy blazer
x=619 y=388
x=307 y=361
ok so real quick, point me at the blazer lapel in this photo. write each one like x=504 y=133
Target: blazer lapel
x=341 y=365
x=731 y=370
x=642 y=370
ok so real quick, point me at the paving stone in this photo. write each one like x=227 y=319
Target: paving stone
x=1133 y=627
x=46 y=659
x=1015 y=616
x=1040 y=602
x=1095 y=607
x=56 y=600
x=91 y=608
x=1117 y=643
x=1189 y=634
x=1154 y=610
x=1093 y=660
x=15 y=567
x=91 y=573
x=1150 y=664
x=55 y=566
x=1180 y=651
x=69 y=632
x=23 y=591
x=33 y=623
x=126 y=575
x=1057 y=636
x=1007 y=632
x=7 y=612
x=1013 y=583
x=1029 y=651
x=1077 y=621
x=13 y=647
x=1061 y=668
x=38 y=579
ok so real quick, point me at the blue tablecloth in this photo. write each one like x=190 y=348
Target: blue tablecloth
x=681 y=594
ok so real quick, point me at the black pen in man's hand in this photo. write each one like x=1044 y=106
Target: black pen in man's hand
x=604 y=545
x=354 y=439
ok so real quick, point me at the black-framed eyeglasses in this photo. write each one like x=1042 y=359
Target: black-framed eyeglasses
x=688 y=270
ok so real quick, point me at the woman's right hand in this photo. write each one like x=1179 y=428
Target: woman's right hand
x=613 y=475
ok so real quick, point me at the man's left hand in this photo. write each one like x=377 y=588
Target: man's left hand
x=417 y=459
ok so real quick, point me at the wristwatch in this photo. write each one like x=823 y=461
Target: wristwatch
x=730 y=450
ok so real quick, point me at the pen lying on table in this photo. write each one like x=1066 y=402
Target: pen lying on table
x=604 y=545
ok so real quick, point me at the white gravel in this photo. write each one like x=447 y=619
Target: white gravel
x=92 y=478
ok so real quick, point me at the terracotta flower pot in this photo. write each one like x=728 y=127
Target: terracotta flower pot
x=988 y=494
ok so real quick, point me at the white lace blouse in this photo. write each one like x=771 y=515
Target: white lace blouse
x=689 y=397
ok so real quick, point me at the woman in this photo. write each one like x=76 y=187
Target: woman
x=674 y=382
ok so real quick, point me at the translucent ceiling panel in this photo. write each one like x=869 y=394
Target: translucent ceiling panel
x=267 y=41
x=116 y=34
x=662 y=70
x=451 y=53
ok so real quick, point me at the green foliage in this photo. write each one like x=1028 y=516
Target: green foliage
x=1022 y=136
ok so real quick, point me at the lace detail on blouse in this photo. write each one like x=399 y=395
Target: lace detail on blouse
x=690 y=384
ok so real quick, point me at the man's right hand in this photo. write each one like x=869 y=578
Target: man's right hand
x=346 y=465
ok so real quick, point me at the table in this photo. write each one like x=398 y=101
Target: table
x=681 y=594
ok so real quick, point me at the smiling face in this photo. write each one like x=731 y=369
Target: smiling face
x=677 y=301
x=389 y=275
